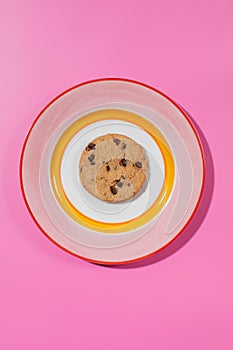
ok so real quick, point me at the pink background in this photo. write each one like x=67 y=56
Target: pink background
x=180 y=299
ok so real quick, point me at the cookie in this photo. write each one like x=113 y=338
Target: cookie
x=119 y=180
x=101 y=151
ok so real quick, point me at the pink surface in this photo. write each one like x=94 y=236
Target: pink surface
x=181 y=299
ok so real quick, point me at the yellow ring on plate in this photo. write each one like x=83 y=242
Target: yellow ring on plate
x=71 y=131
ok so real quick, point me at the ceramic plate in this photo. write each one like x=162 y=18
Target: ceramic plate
x=85 y=226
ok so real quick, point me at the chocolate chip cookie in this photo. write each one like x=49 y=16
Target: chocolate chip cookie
x=113 y=167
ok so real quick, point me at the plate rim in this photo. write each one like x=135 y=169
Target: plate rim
x=185 y=115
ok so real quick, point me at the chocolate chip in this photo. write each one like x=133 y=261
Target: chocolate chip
x=138 y=164
x=119 y=183
x=108 y=168
x=124 y=146
x=113 y=190
x=117 y=141
x=90 y=146
x=123 y=162
x=92 y=163
x=128 y=184
x=91 y=158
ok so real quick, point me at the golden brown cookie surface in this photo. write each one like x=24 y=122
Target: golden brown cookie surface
x=116 y=150
x=119 y=180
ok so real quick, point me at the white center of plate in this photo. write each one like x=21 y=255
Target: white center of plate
x=97 y=209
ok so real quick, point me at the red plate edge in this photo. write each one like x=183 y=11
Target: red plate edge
x=197 y=204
